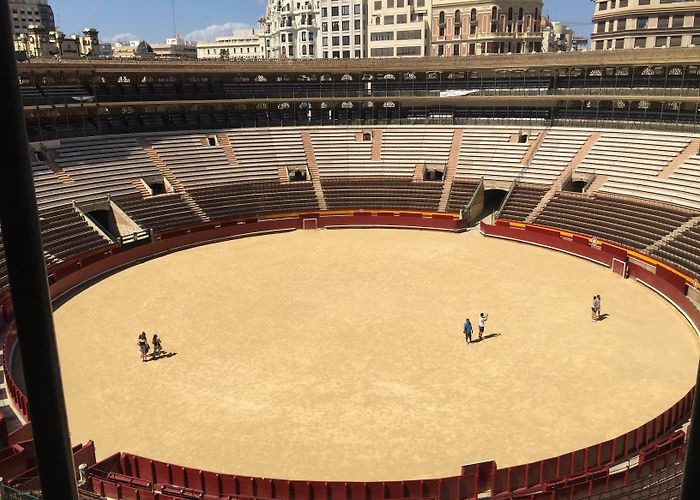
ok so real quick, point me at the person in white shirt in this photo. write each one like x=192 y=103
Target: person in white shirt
x=482 y=324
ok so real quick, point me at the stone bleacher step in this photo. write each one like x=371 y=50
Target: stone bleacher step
x=692 y=149
x=597 y=183
x=565 y=175
x=313 y=169
x=695 y=221
x=174 y=181
x=225 y=144
x=452 y=161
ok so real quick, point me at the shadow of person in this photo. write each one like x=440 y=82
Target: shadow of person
x=486 y=337
x=162 y=355
x=603 y=317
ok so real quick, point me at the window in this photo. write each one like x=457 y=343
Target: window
x=383 y=52
x=599 y=45
x=335 y=26
x=623 y=3
x=620 y=43
x=334 y=11
x=388 y=19
x=357 y=24
x=382 y=36
x=643 y=2
x=696 y=21
x=390 y=3
x=346 y=39
x=642 y=23
x=675 y=41
x=346 y=25
x=600 y=27
x=441 y=50
x=378 y=5
x=640 y=43
x=408 y=51
x=696 y=39
x=335 y=41
x=660 y=41
x=662 y=22
x=346 y=54
x=324 y=26
x=455 y=49
x=357 y=9
x=441 y=17
x=358 y=39
x=603 y=6
x=345 y=11
x=401 y=19
x=409 y=35
x=324 y=12
x=678 y=21
x=324 y=41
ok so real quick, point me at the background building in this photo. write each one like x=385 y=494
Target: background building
x=243 y=44
x=628 y=24
x=175 y=48
x=39 y=42
x=27 y=13
x=470 y=27
x=556 y=37
x=343 y=29
x=133 y=50
x=290 y=29
x=398 y=28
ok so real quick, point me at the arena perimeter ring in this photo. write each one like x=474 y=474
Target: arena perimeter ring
x=338 y=355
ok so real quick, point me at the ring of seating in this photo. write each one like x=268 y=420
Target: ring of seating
x=641 y=205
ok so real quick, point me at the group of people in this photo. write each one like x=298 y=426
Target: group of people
x=468 y=327
x=595 y=308
x=144 y=347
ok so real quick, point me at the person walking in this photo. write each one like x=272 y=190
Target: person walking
x=482 y=324
x=597 y=307
x=468 y=331
x=594 y=309
x=143 y=346
x=157 y=346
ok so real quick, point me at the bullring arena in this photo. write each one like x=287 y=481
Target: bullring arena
x=307 y=240
x=337 y=355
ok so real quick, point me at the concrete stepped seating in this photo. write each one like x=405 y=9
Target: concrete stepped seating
x=683 y=251
x=100 y=167
x=416 y=145
x=632 y=158
x=461 y=193
x=192 y=162
x=252 y=199
x=556 y=152
x=3 y=267
x=261 y=151
x=490 y=152
x=339 y=152
x=158 y=212
x=66 y=234
x=523 y=199
x=629 y=222
x=381 y=193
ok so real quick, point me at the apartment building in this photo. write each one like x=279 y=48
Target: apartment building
x=27 y=13
x=243 y=44
x=343 y=29
x=290 y=29
x=399 y=28
x=472 y=27
x=629 y=24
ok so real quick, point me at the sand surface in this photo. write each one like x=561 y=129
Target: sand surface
x=339 y=355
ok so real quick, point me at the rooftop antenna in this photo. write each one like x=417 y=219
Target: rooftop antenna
x=172 y=3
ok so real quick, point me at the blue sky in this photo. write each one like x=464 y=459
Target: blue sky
x=152 y=20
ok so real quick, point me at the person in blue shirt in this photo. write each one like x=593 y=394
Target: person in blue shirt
x=468 y=331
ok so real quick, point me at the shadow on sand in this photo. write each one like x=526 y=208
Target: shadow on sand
x=486 y=337
x=162 y=355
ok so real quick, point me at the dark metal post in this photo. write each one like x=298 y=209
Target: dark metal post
x=691 y=475
x=25 y=265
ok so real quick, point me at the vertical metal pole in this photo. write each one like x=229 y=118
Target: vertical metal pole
x=691 y=475
x=25 y=265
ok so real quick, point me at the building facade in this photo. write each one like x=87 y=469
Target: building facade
x=472 y=27
x=39 y=42
x=629 y=24
x=556 y=37
x=398 y=28
x=175 y=48
x=343 y=29
x=27 y=13
x=290 y=29
x=243 y=44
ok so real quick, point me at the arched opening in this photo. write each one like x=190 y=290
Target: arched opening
x=441 y=17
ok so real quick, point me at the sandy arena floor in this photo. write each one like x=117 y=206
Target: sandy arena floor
x=339 y=355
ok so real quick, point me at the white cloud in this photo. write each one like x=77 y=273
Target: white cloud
x=209 y=33
x=121 y=37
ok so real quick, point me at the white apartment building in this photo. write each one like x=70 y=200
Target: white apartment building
x=290 y=29
x=27 y=13
x=398 y=28
x=244 y=44
x=343 y=29
x=644 y=24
